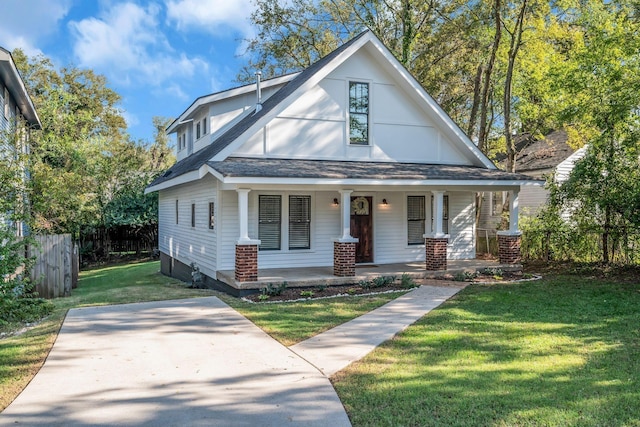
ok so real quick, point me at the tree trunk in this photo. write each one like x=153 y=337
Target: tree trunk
x=407 y=32
x=605 y=235
x=482 y=133
x=514 y=47
x=477 y=83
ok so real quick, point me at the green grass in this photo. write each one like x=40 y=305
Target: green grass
x=293 y=322
x=558 y=352
x=21 y=356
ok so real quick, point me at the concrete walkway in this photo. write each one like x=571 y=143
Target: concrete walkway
x=199 y=362
x=335 y=349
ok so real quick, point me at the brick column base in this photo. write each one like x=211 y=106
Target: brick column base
x=344 y=259
x=509 y=249
x=436 y=253
x=246 y=263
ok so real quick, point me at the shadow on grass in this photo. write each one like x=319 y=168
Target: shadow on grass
x=556 y=352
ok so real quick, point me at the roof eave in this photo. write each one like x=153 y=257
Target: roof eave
x=10 y=72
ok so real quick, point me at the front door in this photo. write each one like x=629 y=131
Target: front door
x=362 y=227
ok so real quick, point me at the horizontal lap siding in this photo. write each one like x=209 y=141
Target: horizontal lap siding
x=390 y=229
x=461 y=226
x=181 y=241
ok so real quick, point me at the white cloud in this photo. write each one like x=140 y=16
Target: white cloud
x=126 y=41
x=211 y=15
x=24 y=23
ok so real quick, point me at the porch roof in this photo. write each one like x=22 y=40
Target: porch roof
x=247 y=170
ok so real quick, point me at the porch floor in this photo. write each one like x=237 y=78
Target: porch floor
x=314 y=276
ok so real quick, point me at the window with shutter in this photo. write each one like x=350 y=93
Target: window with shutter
x=212 y=215
x=299 y=222
x=269 y=222
x=415 y=219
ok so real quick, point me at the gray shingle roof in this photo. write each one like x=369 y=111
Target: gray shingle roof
x=199 y=158
x=328 y=169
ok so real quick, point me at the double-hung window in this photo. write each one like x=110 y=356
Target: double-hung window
x=445 y=214
x=299 y=222
x=269 y=222
x=358 y=113
x=415 y=219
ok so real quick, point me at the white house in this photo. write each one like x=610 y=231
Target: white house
x=17 y=113
x=538 y=158
x=349 y=161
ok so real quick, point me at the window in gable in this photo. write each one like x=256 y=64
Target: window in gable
x=204 y=126
x=358 y=113
x=198 y=131
x=299 y=222
x=415 y=219
x=269 y=222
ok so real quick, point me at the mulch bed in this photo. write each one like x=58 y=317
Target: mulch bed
x=293 y=294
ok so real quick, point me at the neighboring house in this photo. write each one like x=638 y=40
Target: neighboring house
x=349 y=161
x=538 y=158
x=18 y=115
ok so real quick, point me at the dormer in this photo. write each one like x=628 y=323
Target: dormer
x=198 y=126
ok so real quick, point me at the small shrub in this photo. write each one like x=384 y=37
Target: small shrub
x=274 y=290
x=306 y=294
x=365 y=284
x=527 y=276
x=352 y=291
x=407 y=282
x=464 y=276
x=382 y=281
x=493 y=272
x=263 y=297
x=322 y=288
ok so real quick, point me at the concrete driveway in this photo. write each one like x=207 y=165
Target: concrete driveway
x=172 y=363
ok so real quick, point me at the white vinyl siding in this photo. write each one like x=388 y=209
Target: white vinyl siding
x=181 y=241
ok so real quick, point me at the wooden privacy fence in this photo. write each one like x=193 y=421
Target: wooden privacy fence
x=56 y=267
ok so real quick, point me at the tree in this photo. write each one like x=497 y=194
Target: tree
x=603 y=85
x=81 y=148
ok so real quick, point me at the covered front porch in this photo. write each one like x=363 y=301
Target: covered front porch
x=316 y=276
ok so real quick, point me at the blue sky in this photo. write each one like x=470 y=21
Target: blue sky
x=159 y=55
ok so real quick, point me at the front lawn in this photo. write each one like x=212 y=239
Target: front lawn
x=563 y=351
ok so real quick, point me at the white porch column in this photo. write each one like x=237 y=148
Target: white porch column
x=509 y=241
x=438 y=215
x=513 y=211
x=345 y=215
x=243 y=217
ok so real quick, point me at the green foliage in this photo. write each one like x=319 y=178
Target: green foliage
x=306 y=294
x=274 y=290
x=407 y=282
x=83 y=165
x=464 y=276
